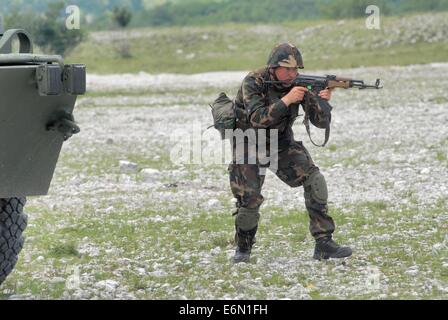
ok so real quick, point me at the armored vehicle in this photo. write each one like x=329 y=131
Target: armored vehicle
x=37 y=97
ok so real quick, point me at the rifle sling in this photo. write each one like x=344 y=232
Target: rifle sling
x=327 y=133
x=306 y=122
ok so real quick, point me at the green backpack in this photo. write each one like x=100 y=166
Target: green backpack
x=223 y=112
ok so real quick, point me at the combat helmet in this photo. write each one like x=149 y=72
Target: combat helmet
x=285 y=55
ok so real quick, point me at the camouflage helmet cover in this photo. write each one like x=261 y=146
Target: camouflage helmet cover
x=285 y=55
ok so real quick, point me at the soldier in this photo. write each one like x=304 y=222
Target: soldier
x=259 y=106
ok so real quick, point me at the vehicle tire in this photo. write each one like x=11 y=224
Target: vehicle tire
x=12 y=224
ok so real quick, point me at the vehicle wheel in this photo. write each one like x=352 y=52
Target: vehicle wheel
x=12 y=224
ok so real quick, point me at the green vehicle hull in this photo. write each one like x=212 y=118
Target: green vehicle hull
x=29 y=151
x=37 y=98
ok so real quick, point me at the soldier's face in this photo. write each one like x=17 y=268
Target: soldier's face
x=286 y=74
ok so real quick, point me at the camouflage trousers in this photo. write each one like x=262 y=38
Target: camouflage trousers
x=294 y=167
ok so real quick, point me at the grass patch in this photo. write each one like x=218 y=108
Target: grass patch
x=184 y=249
x=439 y=100
x=64 y=249
x=441 y=156
x=374 y=205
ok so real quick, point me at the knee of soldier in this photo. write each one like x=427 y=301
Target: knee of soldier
x=316 y=188
x=247 y=218
x=250 y=200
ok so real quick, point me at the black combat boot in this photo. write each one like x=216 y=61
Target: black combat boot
x=244 y=242
x=326 y=248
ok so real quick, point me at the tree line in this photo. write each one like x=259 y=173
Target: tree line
x=44 y=19
x=199 y=12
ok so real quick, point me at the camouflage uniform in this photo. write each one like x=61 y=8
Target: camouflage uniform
x=260 y=107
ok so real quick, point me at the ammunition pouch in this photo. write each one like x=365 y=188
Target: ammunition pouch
x=321 y=119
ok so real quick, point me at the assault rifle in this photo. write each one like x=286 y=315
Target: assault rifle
x=315 y=84
x=318 y=83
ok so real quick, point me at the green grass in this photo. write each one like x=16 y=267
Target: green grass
x=64 y=249
x=241 y=47
x=128 y=231
x=332 y=147
x=439 y=100
x=441 y=156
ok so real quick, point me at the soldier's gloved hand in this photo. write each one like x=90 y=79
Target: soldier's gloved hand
x=295 y=95
x=325 y=94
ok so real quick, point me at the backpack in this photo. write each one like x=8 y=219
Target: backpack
x=224 y=115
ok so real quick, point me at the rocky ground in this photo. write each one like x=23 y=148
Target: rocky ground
x=125 y=219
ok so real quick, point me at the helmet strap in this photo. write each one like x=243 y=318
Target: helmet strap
x=272 y=74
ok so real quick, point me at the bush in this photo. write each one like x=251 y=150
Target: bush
x=122 y=16
x=48 y=30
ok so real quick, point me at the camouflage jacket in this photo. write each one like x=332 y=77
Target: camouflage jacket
x=259 y=106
